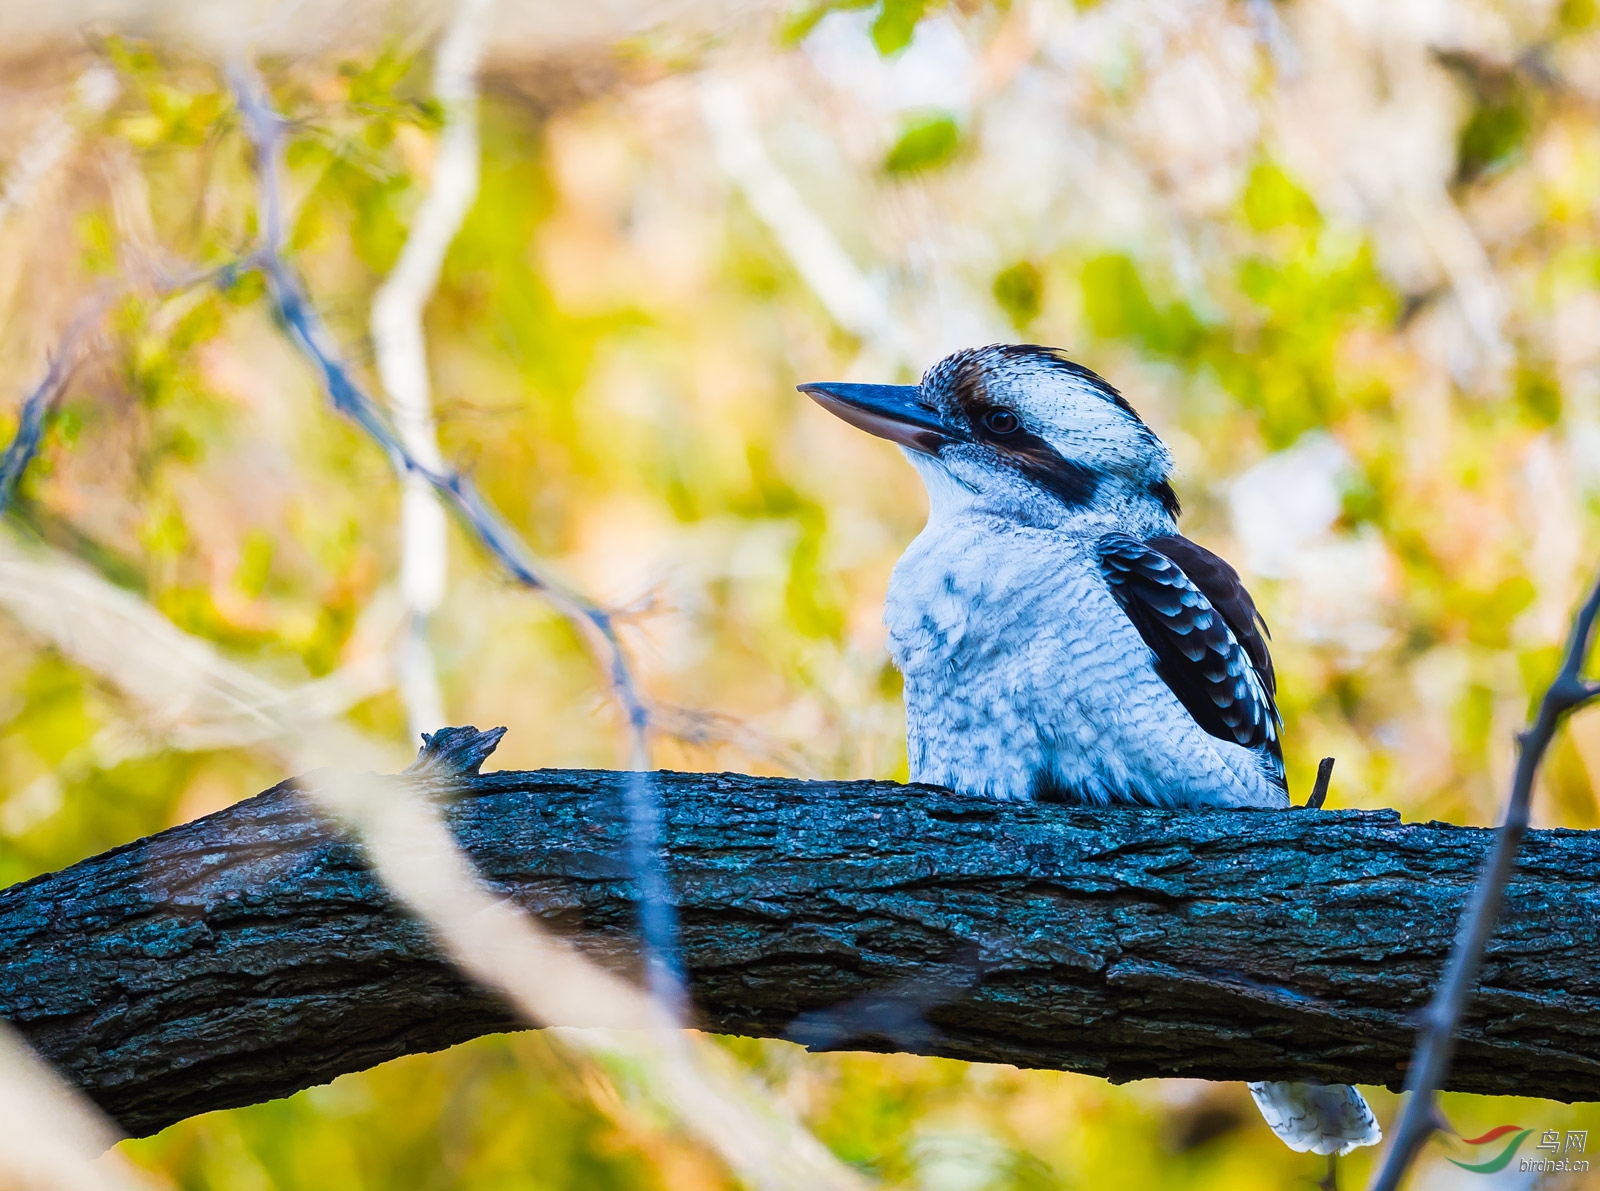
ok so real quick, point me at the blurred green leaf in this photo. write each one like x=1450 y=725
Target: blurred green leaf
x=1539 y=395
x=1575 y=16
x=798 y=24
x=1118 y=306
x=927 y=140
x=1508 y=102
x=255 y=563
x=1272 y=199
x=1019 y=290
x=896 y=24
x=1491 y=137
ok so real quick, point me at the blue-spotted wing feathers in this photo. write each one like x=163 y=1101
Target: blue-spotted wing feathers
x=1199 y=652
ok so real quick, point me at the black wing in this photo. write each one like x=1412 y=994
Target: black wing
x=1199 y=652
x=1222 y=586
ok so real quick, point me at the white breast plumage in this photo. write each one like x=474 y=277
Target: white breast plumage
x=1024 y=678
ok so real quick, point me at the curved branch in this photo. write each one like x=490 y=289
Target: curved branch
x=253 y=953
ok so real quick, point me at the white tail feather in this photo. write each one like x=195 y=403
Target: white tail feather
x=1317 y=1118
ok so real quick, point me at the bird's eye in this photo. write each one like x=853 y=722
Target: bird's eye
x=1000 y=421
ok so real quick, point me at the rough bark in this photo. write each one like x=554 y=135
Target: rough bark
x=252 y=953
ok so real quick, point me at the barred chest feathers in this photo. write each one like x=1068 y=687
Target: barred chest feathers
x=1025 y=679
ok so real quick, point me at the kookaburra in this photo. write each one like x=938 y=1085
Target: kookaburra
x=1059 y=638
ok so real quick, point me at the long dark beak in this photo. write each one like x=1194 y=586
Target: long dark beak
x=894 y=412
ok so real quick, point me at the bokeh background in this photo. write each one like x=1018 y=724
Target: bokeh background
x=1341 y=254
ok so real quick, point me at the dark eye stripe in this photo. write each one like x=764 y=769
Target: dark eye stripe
x=1071 y=483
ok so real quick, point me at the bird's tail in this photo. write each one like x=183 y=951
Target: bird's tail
x=1315 y=1117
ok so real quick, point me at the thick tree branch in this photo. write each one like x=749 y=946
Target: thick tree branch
x=253 y=953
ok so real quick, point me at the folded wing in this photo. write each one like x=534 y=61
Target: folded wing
x=1204 y=630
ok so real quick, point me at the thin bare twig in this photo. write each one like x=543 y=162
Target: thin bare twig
x=1430 y=1062
x=1319 y=789
x=63 y=361
x=400 y=351
x=658 y=919
x=95 y=90
x=38 y=404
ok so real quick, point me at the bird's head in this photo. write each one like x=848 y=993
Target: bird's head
x=1022 y=429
